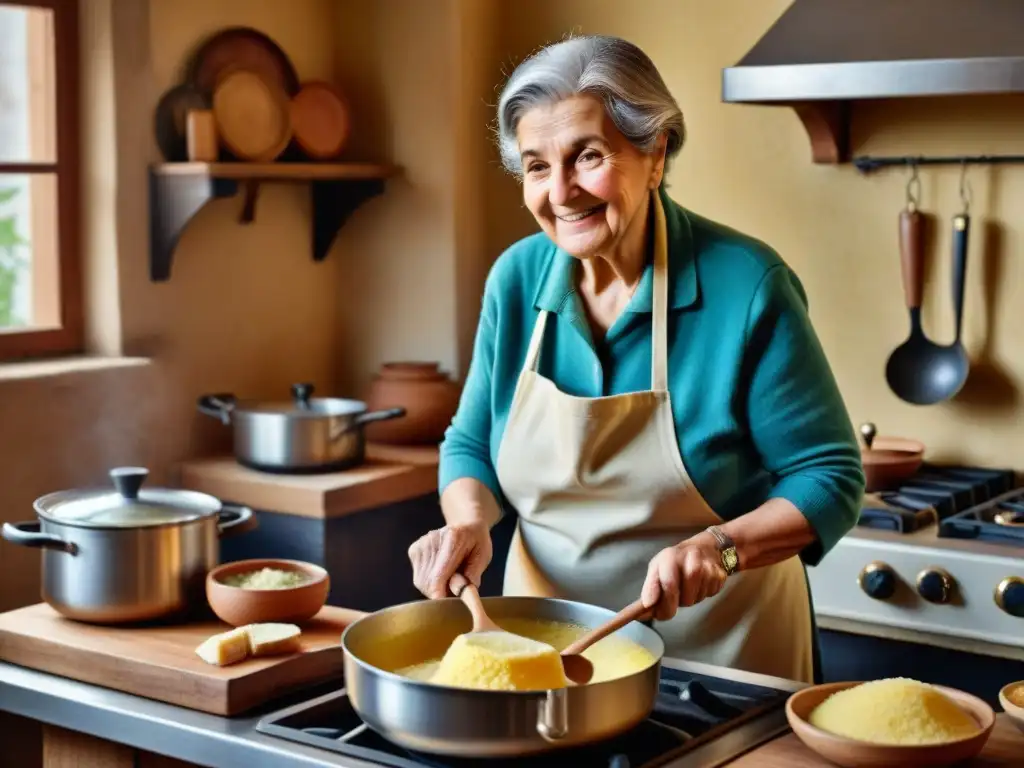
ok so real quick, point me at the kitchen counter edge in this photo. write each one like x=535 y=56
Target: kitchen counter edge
x=193 y=736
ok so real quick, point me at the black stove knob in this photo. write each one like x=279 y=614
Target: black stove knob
x=935 y=585
x=877 y=580
x=1010 y=596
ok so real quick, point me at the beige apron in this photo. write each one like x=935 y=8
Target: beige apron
x=600 y=488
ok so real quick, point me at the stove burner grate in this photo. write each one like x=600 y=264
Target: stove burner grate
x=690 y=711
x=934 y=494
x=999 y=520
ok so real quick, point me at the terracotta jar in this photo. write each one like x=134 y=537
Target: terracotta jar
x=429 y=397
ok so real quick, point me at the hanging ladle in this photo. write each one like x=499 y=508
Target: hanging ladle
x=919 y=371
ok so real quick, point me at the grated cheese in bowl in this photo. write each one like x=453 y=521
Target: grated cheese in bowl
x=897 y=711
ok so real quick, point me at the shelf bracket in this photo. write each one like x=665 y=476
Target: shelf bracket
x=828 y=127
x=334 y=201
x=173 y=201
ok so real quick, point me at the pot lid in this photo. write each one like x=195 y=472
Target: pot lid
x=127 y=505
x=302 y=405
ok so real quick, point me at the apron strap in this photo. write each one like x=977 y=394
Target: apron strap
x=659 y=303
x=533 y=351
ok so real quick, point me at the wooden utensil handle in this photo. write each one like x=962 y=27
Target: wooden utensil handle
x=464 y=589
x=633 y=612
x=912 y=256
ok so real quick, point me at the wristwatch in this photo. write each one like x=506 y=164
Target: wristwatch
x=727 y=549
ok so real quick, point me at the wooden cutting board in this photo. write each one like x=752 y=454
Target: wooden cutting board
x=159 y=662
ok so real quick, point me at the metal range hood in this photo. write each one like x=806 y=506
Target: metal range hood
x=821 y=55
x=870 y=49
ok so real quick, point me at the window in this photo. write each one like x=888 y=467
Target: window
x=40 y=269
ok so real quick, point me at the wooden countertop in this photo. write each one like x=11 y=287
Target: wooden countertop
x=391 y=474
x=1003 y=750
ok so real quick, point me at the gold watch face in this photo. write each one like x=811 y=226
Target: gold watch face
x=729 y=559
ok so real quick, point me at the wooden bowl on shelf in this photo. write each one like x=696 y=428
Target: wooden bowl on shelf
x=888 y=461
x=1013 y=710
x=239 y=606
x=852 y=753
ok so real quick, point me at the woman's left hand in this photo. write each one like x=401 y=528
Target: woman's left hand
x=683 y=575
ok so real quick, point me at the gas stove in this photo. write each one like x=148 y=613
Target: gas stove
x=941 y=555
x=699 y=719
x=933 y=494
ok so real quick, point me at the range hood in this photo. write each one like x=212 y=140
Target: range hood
x=821 y=54
x=868 y=49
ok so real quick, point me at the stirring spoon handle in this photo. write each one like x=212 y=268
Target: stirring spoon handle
x=633 y=612
x=464 y=589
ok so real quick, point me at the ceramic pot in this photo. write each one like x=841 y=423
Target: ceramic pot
x=428 y=396
x=888 y=461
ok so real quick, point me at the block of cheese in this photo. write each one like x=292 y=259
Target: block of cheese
x=500 y=661
x=225 y=648
x=257 y=640
x=271 y=639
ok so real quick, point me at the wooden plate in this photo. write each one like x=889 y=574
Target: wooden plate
x=241 y=48
x=859 y=754
x=320 y=120
x=252 y=116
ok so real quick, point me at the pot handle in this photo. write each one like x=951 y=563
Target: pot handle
x=29 y=535
x=234 y=519
x=553 y=715
x=371 y=416
x=219 y=406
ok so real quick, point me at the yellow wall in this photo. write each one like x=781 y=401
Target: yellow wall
x=750 y=167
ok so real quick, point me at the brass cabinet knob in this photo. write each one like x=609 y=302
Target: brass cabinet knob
x=935 y=585
x=878 y=580
x=1009 y=596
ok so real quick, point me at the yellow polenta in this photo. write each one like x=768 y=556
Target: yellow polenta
x=613 y=657
x=500 y=661
x=894 y=711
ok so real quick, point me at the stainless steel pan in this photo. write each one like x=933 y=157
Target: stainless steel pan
x=473 y=723
x=304 y=435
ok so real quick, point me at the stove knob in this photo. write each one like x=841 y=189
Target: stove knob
x=935 y=585
x=1010 y=596
x=877 y=580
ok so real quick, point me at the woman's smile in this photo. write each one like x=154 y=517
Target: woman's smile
x=588 y=215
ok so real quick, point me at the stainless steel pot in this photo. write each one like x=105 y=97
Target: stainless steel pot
x=306 y=434
x=127 y=555
x=475 y=723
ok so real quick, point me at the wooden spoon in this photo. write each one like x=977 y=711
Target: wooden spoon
x=464 y=589
x=578 y=668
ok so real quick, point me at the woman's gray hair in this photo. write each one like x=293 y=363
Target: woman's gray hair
x=610 y=68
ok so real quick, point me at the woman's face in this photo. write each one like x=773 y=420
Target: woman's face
x=583 y=181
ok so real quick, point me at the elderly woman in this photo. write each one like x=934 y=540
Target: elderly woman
x=646 y=392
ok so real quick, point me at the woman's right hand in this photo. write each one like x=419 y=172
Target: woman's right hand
x=438 y=555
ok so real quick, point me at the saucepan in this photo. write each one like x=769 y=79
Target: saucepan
x=125 y=554
x=425 y=717
x=304 y=435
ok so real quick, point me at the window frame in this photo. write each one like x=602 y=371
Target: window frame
x=68 y=339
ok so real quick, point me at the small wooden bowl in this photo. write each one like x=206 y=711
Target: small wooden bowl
x=1013 y=711
x=861 y=754
x=239 y=606
x=889 y=461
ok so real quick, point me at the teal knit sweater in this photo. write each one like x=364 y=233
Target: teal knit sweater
x=757 y=410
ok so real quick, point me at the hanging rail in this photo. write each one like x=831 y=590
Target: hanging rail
x=867 y=164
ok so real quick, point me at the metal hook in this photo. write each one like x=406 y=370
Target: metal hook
x=965 y=187
x=913 y=188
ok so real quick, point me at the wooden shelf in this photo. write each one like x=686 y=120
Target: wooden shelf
x=391 y=474
x=178 y=191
